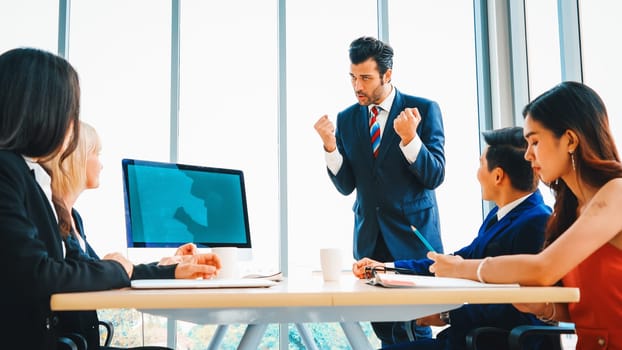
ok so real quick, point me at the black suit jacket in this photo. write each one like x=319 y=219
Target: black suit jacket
x=32 y=262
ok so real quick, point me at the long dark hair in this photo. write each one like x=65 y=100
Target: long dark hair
x=39 y=99
x=575 y=106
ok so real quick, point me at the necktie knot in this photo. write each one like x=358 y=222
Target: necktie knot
x=374 y=112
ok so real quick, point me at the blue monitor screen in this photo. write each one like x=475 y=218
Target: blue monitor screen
x=167 y=205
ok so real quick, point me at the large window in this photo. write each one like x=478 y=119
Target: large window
x=602 y=54
x=435 y=58
x=543 y=57
x=228 y=106
x=542 y=45
x=124 y=66
x=318 y=83
x=32 y=23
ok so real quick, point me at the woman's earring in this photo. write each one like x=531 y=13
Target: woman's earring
x=572 y=160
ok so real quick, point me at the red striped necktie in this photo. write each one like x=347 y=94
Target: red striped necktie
x=374 y=130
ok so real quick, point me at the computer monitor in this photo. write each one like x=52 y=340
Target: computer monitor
x=168 y=204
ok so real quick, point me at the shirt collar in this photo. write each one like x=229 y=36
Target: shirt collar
x=508 y=207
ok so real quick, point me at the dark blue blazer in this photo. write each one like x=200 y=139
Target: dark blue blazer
x=392 y=194
x=521 y=231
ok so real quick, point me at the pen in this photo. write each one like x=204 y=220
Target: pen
x=422 y=239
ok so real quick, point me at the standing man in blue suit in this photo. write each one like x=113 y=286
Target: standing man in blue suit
x=394 y=181
x=514 y=226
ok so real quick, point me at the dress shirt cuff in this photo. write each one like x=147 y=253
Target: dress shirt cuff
x=411 y=150
x=334 y=160
x=389 y=264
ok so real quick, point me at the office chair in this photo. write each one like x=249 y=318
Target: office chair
x=478 y=335
x=65 y=343
x=518 y=335
x=71 y=341
x=75 y=341
x=109 y=331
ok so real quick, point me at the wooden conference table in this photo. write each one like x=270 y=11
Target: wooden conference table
x=304 y=300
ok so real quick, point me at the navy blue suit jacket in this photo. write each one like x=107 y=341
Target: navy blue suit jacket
x=521 y=231
x=392 y=194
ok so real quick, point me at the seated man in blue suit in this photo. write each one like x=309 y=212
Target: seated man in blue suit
x=514 y=226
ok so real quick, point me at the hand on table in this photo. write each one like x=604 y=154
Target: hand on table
x=358 y=268
x=203 y=266
x=171 y=260
x=187 y=249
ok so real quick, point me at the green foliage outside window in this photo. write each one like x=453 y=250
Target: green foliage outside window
x=133 y=328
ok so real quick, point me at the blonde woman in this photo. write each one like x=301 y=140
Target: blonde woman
x=79 y=172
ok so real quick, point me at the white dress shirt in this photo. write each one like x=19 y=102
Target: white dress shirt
x=334 y=159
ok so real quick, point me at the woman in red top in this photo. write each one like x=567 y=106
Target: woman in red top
x=571 y=147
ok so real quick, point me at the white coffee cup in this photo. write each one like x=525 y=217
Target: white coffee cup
x=331 y=261
x=228 y=262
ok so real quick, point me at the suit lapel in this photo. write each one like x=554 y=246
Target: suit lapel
x=362 y=130
x=487 y=232
x=493 y=231
x=389 y=136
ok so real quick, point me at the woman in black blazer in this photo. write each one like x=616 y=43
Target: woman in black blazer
x=39 y=118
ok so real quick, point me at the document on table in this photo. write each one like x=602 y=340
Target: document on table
x=417 y=281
